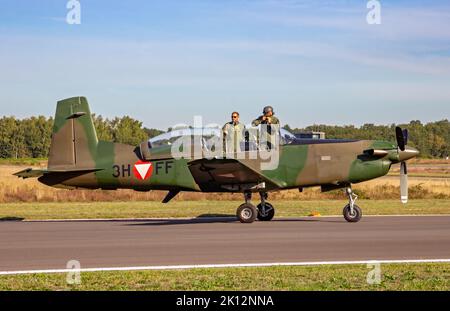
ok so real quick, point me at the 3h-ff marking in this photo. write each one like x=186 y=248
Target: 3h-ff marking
x=124 y=170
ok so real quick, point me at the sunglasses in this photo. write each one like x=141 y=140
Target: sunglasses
x=235 y=117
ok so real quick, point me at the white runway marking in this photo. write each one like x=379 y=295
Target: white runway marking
x=238 y=265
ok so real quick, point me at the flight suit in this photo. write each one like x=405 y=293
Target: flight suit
x=272 y=128
x=233 y=135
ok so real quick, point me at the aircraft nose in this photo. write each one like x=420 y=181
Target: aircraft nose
x=409 y=153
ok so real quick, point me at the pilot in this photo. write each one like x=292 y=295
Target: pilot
x=270 y=123
x=233 y=134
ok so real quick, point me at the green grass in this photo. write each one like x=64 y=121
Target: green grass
x=73 y=210
x=342 y=277
x=23 y=161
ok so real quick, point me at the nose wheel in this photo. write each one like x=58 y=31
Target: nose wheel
x=352 y=212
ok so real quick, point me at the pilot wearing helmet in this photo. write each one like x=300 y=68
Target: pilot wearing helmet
x=267 y=117
x=270 y=124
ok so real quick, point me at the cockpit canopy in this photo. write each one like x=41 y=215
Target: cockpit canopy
x=168 y=138
x=206 y=133
x=160 y=146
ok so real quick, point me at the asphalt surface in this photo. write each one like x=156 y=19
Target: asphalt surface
x=96 y=244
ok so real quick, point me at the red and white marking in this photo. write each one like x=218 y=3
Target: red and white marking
x=143 y=170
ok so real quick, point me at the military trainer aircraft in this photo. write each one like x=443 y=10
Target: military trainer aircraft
x=77 y=159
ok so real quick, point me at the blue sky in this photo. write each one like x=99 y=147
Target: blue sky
x=163 y=62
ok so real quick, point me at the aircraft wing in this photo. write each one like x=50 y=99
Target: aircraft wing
x=226 y=174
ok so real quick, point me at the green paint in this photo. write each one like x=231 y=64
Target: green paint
x=169 y=173
x=384 y=145
x=362 y=169
x=291 y=163
x=104 y=159
x=65 y=109
x=178 y=175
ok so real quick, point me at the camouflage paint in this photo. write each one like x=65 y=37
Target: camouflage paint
x=78 y=159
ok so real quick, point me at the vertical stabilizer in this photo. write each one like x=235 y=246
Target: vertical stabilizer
x=74 y=139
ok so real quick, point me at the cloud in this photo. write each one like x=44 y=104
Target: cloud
x=201 y=62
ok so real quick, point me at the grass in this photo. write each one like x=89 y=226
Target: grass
x=284 y=208
x=424 y=175
x=418 y=169
x=13 y=189
x=23 y=161
x=429 y=161
x=28 y=199
x=426 y=276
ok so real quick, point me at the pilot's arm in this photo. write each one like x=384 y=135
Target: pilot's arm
x=243 y=131
x=258 y=121
x=225 y=129
x=224 y=137
x=274 y=120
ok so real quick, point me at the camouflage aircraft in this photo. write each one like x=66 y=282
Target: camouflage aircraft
x=77 y=159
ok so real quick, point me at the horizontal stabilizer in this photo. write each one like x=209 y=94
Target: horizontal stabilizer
x=30 y=173
x=33 y=173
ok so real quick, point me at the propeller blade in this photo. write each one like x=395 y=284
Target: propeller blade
x=405 y=136
x=400 y=138
x=403 y=183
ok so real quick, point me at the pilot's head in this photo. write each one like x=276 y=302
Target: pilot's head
x=235 y=117
x=268 y=111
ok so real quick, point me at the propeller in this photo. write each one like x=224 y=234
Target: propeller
x=402 y=140
x=403 y=183
x=402 y=137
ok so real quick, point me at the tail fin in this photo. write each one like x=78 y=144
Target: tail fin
x=74 y=140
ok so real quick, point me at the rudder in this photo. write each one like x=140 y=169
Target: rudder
x=74 y=139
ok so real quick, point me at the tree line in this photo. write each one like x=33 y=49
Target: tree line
x=432 y=139
x=31 y=137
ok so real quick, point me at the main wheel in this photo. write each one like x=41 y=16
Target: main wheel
x=352 y=217
x=246 y=213
x=268 y=213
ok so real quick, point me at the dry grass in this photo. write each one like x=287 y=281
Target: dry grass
x=13 y=189
x=424 y=170
x=428 y=161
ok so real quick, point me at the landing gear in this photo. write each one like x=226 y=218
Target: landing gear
x=352 y=212
x=265 y=209
x=248 y=213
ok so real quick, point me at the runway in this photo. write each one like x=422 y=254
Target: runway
x=98 y=244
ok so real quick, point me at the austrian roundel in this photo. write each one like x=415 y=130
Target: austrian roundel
x=143 y=170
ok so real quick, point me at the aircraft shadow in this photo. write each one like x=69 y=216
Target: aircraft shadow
x=11 y=218
x=221 y=218
x=201 y=219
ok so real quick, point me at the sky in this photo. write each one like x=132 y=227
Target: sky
x=164 y=62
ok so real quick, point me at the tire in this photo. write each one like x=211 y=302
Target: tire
x=247 y=213
x=352 y=218
x=270 y=212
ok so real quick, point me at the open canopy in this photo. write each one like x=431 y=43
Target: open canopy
x=205 y=132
